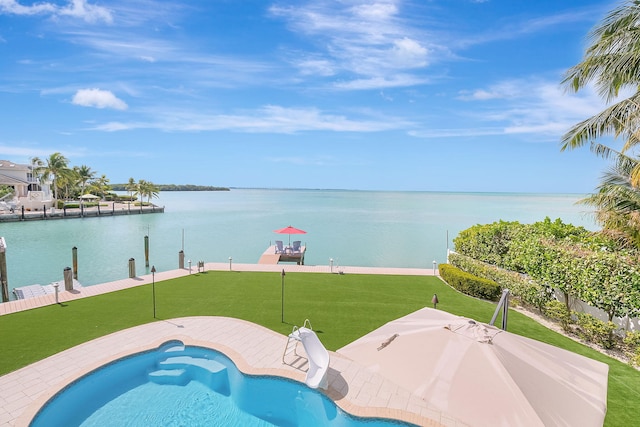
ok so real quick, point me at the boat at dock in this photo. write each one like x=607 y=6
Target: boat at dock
x=34 y=291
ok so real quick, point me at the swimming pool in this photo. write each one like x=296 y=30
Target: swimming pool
x=178 y=385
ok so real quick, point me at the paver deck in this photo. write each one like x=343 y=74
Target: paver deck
x=254 y=349
x=354 y=388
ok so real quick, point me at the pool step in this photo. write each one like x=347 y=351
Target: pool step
x=169 y=377
x=207 y=364
x=206 y=371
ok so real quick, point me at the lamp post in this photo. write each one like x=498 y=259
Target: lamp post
x=331 y=265
x=434 y=267
x=230 y=260
x=282 y=287
x=153 y=288
x=189 y=266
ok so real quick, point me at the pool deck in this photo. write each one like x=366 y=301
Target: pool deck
x=254 y=349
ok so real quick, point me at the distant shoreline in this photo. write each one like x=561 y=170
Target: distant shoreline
x=174 y=187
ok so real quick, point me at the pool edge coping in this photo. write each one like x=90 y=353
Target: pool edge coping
x=343 y=400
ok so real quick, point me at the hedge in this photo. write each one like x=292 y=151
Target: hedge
x=520 y=286
x=470 y=284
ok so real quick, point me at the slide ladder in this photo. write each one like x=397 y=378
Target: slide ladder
x=317 y=354
x=292 y=342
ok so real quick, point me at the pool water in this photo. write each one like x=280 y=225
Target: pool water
x=177 y=385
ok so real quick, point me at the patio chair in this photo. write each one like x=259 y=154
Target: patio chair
x=296 y=247
x=279 y=247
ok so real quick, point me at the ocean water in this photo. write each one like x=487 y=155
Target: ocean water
x=357 y=228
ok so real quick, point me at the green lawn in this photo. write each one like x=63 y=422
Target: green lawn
x=341 y=309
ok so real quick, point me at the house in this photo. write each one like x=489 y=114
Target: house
x=28 y=191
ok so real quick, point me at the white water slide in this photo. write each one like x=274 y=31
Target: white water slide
x=317 y=355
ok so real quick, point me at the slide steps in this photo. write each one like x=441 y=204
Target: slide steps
x=317 y=355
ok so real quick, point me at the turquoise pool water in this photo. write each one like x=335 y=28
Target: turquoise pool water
x=179 y=385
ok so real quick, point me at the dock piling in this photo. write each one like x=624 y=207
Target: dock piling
x=4 y=283
x=74 y=253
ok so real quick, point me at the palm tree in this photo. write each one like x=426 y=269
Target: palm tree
x=617 y=201
x=84 y=175
x=55 y=168
x=100 y=186
x=612 y=63
x=131 y=188
x=140 y=188
x=150 y=190
x=612 y=59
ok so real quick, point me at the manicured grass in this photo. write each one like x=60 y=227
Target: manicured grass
x=341 y=309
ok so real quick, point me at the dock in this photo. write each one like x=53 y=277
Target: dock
x=271 y=257
x=109 y=209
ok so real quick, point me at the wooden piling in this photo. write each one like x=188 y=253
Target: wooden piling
x=4 y=282
x=74 y=253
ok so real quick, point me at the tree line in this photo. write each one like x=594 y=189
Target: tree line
x=175 y=187
x=71 y=182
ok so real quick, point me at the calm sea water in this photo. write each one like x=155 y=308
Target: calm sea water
x=358 y=228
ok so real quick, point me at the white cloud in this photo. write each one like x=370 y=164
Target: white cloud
x=22 y=151
x=534 y=107
x=379 y=11
x=15 y=8
x=400 y=80
x=75 y=8
x=99 y=99
x=318 y=67
x=87 y=12
x=410 y=53
x=268 y=119
x=503 y=90
x=366 y=45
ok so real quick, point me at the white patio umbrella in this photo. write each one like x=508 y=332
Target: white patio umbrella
x=484 y=376
x=89 y=197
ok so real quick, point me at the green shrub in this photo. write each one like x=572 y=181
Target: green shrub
x=632 y=339
x=556 y=310
x=632 y=347
x=469 y=284
x=122 y=198
x=595 y=330
x=522 y=287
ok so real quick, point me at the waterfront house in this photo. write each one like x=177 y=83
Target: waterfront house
x=28 y=191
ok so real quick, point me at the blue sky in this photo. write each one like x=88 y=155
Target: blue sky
x=426 y=95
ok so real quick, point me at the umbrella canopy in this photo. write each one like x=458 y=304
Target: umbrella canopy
x=484 y=376
x=290 y=230
x=88 y=197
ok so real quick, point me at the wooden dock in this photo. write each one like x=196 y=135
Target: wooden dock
x=86 y=212
x=271 y=257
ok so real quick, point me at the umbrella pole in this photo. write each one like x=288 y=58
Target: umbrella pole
x=503 y=305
